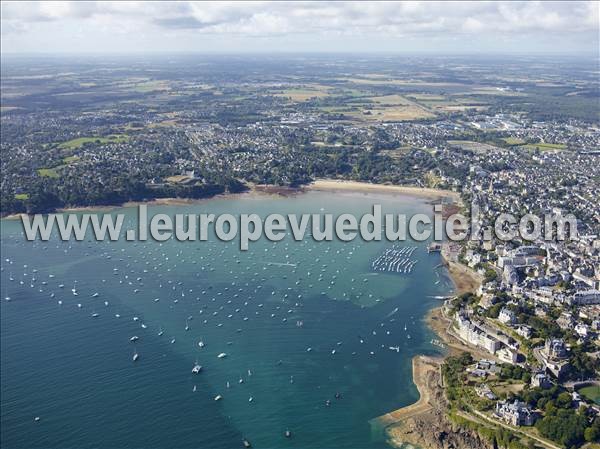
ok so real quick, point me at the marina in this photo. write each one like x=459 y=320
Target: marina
x=396 y=259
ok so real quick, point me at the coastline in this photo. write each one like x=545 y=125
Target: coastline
x=424 y=422
x=330 y=185
x=261 y=190
x=400 y=425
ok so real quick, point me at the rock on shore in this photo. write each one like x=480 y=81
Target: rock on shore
x=432 y=429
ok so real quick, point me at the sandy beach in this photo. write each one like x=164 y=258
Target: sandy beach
x=366 y=187
x=259 y=190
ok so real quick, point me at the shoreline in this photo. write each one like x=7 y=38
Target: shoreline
x=399 y=425
x=334 y=185
x=412 y=424
x=262 y=190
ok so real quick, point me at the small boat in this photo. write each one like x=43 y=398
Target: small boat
x=160 y=332
x=134 y=338
x=196 y=369
x=144 y=326
x=95 y=295
x=288 y=434
x=201 y=344
x=136 y=356
x=95 y=315
x=194 y=389
x=222 y=355
x=218 y=397
x=172 y=340
x=246 y=443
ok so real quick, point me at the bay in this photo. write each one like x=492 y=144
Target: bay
x=307 y=328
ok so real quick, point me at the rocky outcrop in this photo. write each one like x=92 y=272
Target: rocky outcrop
x=432 y=429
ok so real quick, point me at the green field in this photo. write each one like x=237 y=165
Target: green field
x=70 y=159
x=80 y=141
x=48 y=172
x=513 y=141
x=592 y=393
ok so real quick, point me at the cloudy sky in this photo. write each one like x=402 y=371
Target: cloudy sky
x=444 y=27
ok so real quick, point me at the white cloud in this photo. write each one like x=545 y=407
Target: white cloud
x=578 y=21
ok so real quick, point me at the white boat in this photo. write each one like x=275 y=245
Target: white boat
x=94 y=315
x=172 y=340
x=160 y=332
x=134 y=338
x=136 y=356
x=95 y=295
x=218 y=397
x=144 y=326
x=201 y=344
x=222 y=355
x=196 y=369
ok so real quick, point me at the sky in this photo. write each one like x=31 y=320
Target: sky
x=247 y=27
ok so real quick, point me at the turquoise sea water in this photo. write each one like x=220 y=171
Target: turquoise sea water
x=264 y=308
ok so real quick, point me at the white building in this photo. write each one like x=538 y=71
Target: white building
x=586 y=297
x=507 y=316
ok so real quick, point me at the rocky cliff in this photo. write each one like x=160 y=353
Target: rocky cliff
x=432 y=429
